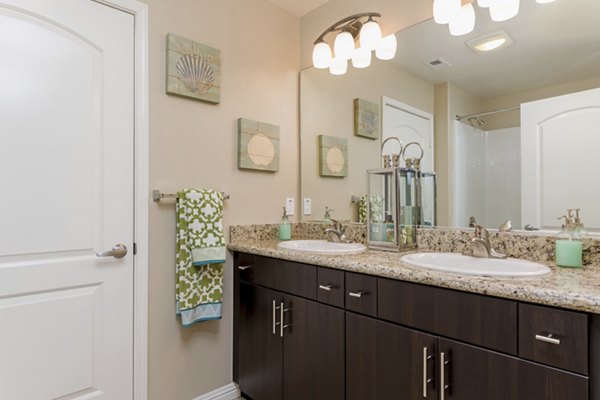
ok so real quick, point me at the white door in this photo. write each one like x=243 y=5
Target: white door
x=66 y=175
x=560 y=159
x=408 y=124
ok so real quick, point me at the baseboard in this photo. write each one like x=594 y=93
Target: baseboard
x=227 y=392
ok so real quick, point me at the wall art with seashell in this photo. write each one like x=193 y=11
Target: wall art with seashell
x=193 y=69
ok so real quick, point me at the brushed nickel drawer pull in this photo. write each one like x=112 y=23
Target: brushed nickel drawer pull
x=326 y=287
x=281 y=326
x=358 y=294
x=443 y=386
x=275 y=317
x=425 y=380
x=244 y=267
x=547 y=339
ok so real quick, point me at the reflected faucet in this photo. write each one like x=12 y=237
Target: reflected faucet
x=481 y=245
x=338 y=230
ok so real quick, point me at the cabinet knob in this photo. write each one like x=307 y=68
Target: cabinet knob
x=244 y=267
x=357 y=295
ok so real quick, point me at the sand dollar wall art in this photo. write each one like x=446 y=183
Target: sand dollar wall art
x=333 y=156
x=193 y=69
x=258 y=145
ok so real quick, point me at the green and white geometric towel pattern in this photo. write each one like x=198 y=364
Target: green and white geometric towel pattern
x=200 y=254
x=376 y=209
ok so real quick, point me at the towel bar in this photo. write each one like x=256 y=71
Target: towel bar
x=158 y=196
x=355 y=198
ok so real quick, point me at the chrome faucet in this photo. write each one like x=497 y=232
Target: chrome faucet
x=338 y=230
x=481 y=245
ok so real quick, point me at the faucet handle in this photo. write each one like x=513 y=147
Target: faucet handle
x=481 y=232
x=338 y=225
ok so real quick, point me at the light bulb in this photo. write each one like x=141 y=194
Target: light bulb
x=444 y=10
x=338 y=66
x=502 y=10
x=370 y=35
x=321 y=56
x=344 y=46
x=387 y=48
x=464 y=21
x=361 y=58
x=484 y=3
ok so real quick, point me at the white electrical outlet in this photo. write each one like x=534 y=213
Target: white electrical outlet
x=289 y=206
x=307 y=206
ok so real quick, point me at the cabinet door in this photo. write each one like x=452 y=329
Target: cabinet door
x=259 y=352
x=474 y=373
x=313 y=351
x=386 y=361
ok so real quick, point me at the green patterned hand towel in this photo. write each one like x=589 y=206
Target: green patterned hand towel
x=200 y=255
x=376 y=209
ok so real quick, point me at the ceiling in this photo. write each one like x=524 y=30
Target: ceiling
x=553 y=43
x=299 y=7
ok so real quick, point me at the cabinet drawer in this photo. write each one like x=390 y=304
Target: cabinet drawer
x=286 y=276
x=472 y=373
x=330 y=284
x=481 y=320
x=554 y=337
x=361 y=293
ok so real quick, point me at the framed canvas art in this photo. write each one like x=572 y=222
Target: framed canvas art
x=333 y=156
x=258 y=145
x=366 y=119
x=193 y=69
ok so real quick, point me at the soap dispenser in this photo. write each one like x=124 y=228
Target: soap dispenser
x=285 y=228
x=579 y=224
x=569 y=248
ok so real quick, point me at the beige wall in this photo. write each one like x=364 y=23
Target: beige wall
x=195 y=144
x=327 y=108
x=513 y=118
x=396 y=15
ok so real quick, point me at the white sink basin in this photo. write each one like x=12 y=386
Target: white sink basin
x=322 y=247
x=467 y=265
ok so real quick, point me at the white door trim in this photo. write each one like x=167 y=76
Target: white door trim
x=140 y=302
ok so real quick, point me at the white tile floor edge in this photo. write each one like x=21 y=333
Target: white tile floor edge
x=227 y=392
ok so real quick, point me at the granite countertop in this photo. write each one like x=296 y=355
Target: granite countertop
x=575 y=289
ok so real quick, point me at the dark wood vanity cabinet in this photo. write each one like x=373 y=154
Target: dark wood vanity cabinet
x=286 y=346
x=312 y=333
x=387 y=361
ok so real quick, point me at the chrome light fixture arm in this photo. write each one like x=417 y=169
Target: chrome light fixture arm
x=350 y=24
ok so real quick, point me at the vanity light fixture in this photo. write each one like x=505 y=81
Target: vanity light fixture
x=358 y=28
x=490 y=42
x=460 y=14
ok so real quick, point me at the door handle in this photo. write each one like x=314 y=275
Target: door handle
x=118 y=251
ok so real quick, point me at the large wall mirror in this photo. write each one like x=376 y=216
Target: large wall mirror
x=527 y=143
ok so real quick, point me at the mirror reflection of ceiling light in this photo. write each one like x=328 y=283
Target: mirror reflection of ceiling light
x=490 y=42
x=358 y=29
x=460 y=14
